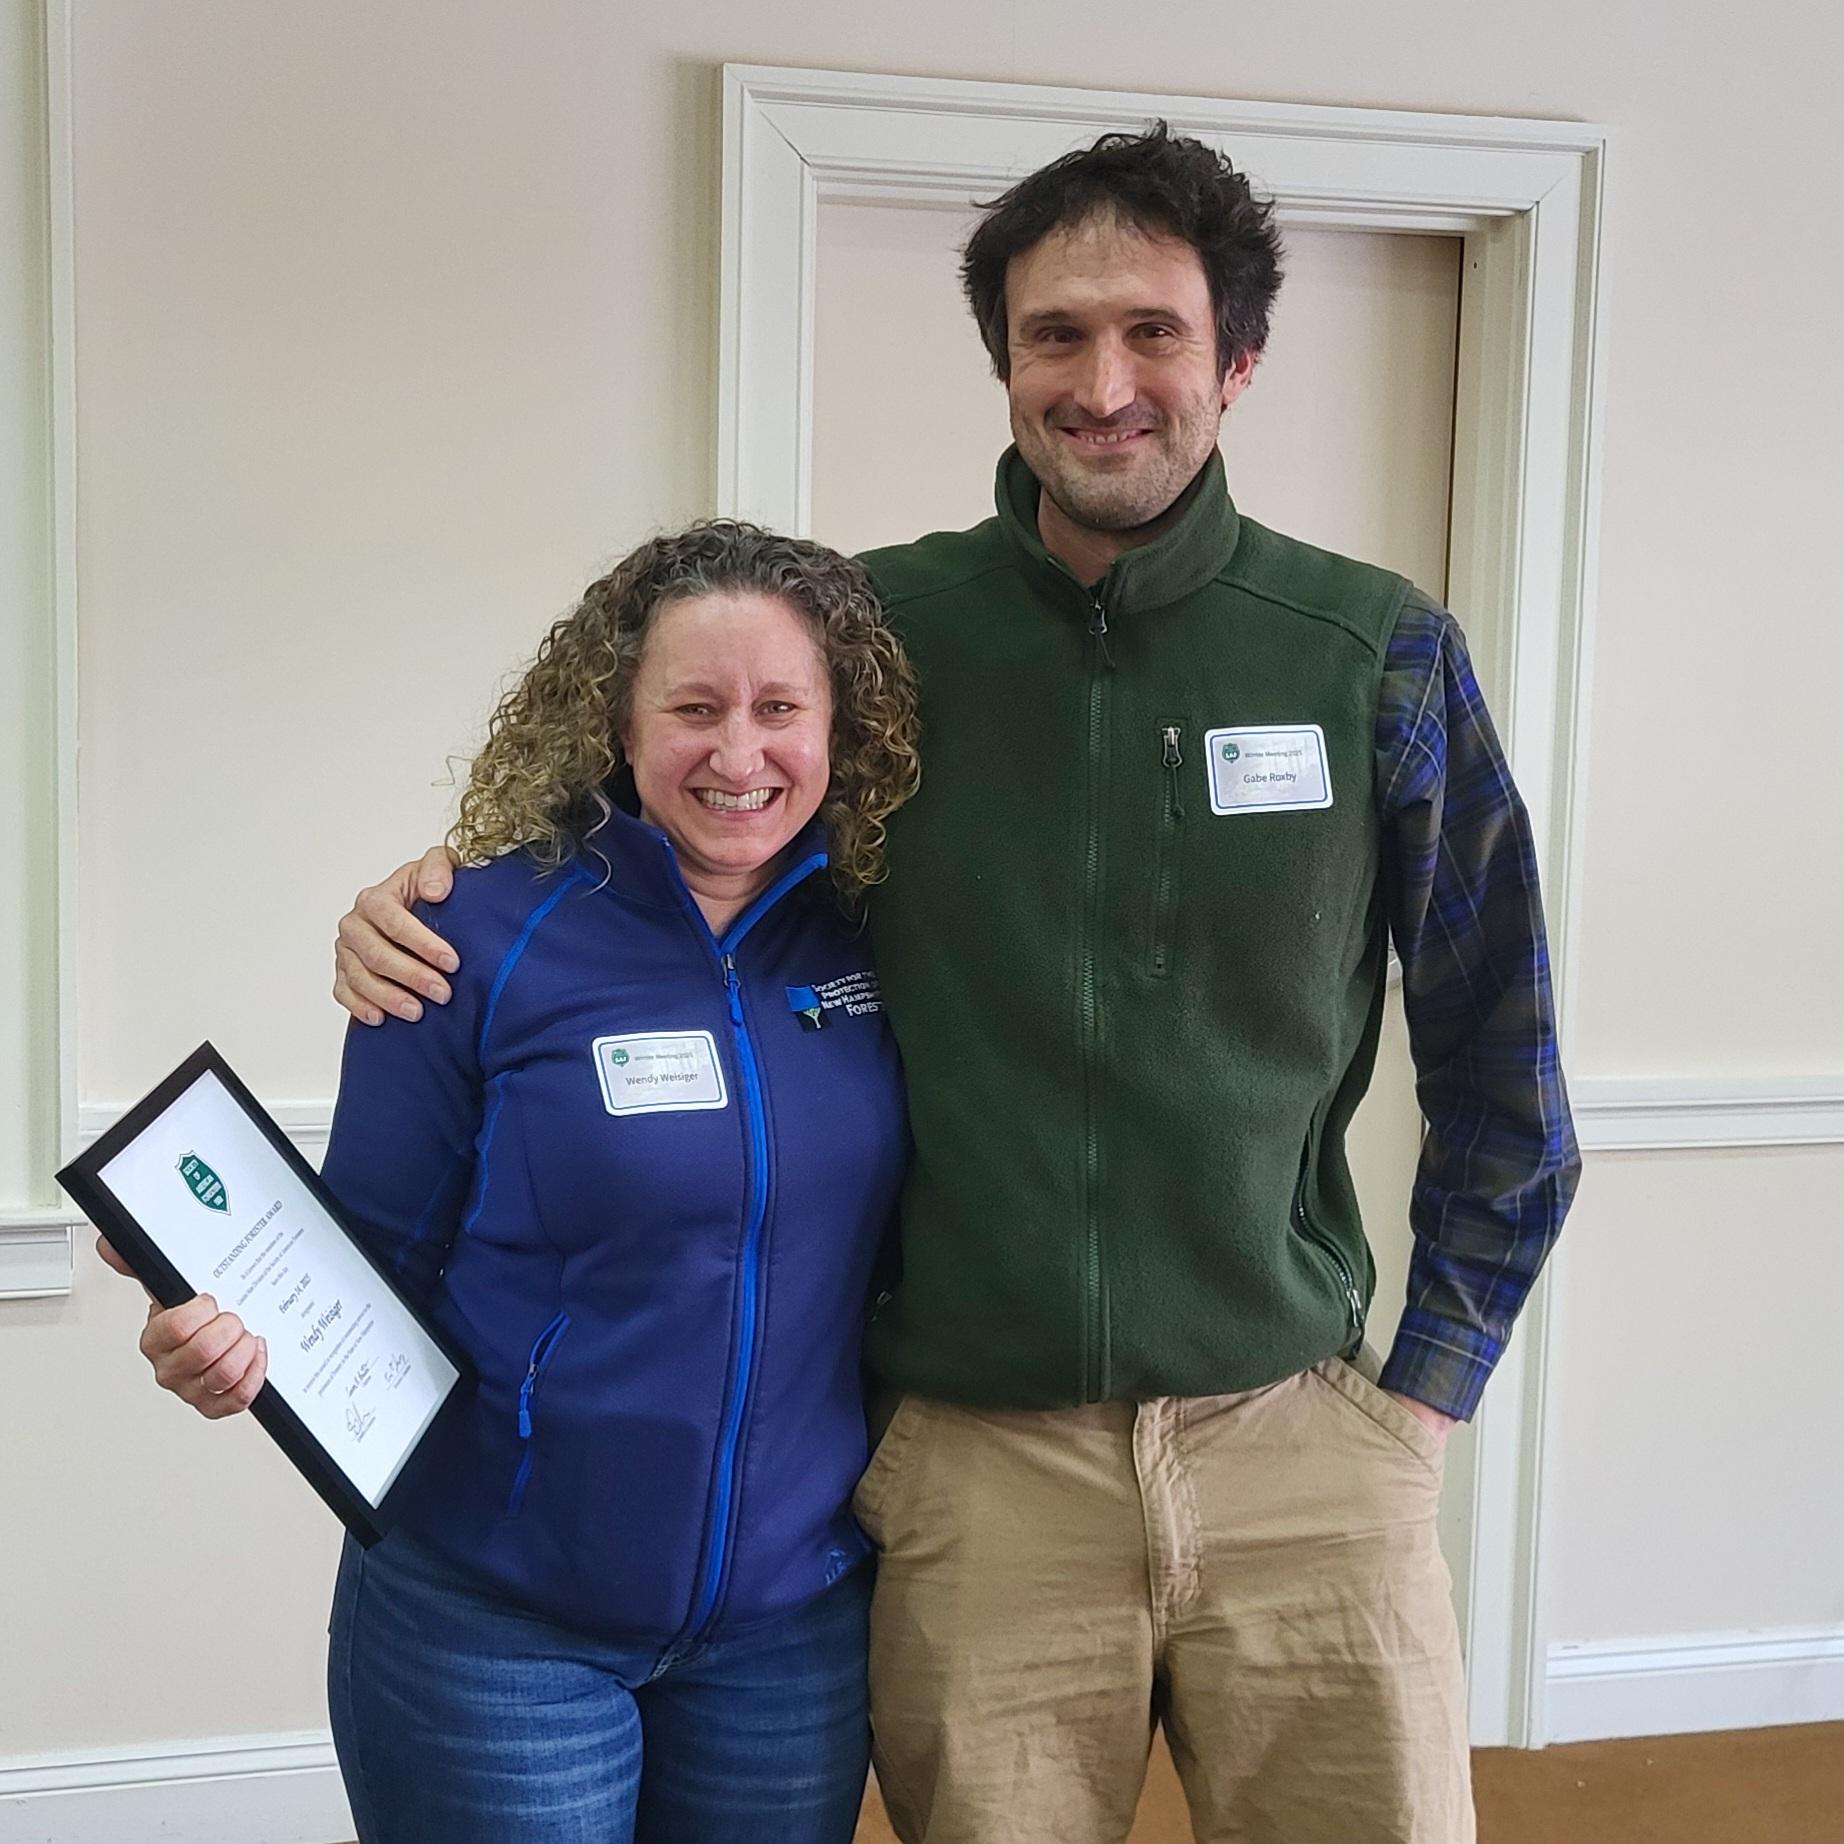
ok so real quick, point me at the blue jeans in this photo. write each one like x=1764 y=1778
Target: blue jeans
x=460 y=1719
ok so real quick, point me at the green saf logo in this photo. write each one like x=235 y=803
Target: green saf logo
x=619 y=1057
x=204 y=1183
x=1230 y=752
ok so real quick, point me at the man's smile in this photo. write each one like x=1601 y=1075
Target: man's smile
x=1101 y=441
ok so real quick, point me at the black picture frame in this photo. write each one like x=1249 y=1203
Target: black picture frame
x=83 y=1183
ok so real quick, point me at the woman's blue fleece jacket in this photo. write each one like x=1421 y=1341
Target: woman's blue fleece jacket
x=640 y=1175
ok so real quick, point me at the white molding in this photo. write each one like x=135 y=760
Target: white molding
x=1694 y=1683
x=36 y=1253
x=36 y=1246
x=36 y=1243
x=1612 y=1113
x=1526 y=196
x=1667 y=1113
x=256 y=1789
x=60 y=136
x=307 y=1123
x=41 y=522
x=793 y=137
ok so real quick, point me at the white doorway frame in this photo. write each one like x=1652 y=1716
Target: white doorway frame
x=1526 y=197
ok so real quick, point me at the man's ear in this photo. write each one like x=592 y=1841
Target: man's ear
x=1238 y=377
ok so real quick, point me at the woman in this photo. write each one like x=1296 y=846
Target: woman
x=638 y=1168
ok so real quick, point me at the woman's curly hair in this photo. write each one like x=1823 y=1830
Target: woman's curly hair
x=541 y=782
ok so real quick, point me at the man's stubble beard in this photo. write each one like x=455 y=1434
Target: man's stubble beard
x=1126 y=501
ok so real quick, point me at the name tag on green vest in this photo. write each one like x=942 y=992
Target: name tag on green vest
x=1268 y=768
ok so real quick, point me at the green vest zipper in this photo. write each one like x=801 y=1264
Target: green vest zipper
x=1095 y=1368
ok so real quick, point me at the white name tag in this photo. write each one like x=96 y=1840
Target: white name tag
x=1268 y=768
x=659 y=1072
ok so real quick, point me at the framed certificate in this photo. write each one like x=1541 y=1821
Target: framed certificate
x=201 y=1192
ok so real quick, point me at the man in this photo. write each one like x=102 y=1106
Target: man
x=1181 y=774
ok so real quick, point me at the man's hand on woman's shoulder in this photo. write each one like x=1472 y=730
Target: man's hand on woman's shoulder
x=384 y=960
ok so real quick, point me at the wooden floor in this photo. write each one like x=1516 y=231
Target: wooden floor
x=1757 y=1786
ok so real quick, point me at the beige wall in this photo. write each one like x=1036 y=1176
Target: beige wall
x=395 y=321
x=907 y=416
x=1698 y=1415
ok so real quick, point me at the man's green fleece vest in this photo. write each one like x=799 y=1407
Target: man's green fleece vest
x=1132 y=946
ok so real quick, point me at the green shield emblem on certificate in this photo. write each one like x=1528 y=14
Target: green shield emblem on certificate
x=203 y=1182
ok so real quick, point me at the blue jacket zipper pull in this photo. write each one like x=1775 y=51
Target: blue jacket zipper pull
x=540 y=1356
x=730 y=989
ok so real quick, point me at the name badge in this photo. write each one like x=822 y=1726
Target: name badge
x=659 y=1072
x=1268 y=768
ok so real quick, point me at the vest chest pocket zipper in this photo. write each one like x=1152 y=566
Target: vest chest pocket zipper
x=543 y=1349
x=1165 y=868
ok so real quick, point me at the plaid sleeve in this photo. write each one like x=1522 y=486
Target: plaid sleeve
x=1499 y=1161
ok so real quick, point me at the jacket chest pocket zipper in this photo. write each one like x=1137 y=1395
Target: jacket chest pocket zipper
x=1165 y=869
x=543 y=1349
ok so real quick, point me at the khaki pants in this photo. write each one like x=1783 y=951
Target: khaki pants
x=1259 y=1572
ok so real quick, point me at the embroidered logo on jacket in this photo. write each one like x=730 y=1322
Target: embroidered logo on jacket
x=854 y=994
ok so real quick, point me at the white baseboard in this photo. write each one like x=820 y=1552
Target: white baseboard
x=1695 y=1683
x=251 y=1789
x=285 y=1789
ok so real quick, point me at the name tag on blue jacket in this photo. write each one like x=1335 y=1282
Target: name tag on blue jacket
x=659 y=1072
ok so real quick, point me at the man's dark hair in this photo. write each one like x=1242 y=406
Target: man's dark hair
x=1163 y=184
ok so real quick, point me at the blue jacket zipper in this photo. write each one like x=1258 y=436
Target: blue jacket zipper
x=723 y=1524
x=542 y=1350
